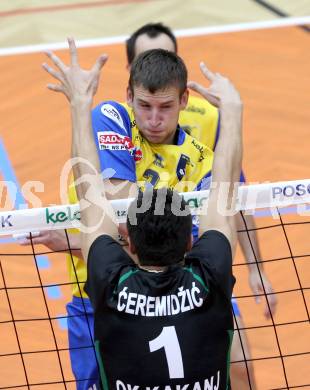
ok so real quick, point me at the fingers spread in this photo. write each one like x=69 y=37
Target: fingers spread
x=52 y=72
x=57 y=61
x=205 y=92
x=195 y=87
x=100 y=62
x=73 y=52
x=27 y=238
x=56 y=88
x=209 y=75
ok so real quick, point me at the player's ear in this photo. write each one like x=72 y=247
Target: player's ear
x=131 y=246
x=129 y=97
x=184 y=99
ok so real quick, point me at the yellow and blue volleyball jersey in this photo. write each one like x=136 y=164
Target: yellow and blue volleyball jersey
x=186 y=165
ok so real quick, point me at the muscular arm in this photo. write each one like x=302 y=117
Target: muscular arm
x=228 y=154
x=79 y=86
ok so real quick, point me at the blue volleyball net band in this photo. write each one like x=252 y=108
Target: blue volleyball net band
x=35 y=288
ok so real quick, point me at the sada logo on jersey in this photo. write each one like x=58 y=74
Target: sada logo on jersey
x=109 y=140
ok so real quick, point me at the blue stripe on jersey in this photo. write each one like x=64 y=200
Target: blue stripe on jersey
x=181 y=136
x=204 y=184
x=112 y=127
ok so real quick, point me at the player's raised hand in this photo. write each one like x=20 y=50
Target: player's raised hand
x=220 y=91
x=75 y=82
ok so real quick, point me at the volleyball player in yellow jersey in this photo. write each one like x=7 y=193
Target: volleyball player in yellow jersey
x=201 y=120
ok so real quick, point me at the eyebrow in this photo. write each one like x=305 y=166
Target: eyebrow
x=171 y=101
x=142 y=101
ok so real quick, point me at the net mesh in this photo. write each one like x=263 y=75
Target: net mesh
x=34 y=291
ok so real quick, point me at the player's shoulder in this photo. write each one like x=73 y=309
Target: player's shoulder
x=195 y=144
x=126 y=107
x=198 y=105
x=130 y=114
x=112 y=112
x=211 y=245
x=201 y=120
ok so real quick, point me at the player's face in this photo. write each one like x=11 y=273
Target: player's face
x=144 y=42
x=157 y=114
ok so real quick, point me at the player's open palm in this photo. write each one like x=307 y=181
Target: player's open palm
x=75 y=82
x=220 y=91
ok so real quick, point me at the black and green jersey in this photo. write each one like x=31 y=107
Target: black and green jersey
x=167 y=330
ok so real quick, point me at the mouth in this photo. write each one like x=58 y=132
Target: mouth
x=154 y=130
x=154 y=134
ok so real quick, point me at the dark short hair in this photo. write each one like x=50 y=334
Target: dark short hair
x=161 y=231
x=152 y=30
x=158 y=69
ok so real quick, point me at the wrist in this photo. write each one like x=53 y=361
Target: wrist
x=81 y=101
x=228 y=108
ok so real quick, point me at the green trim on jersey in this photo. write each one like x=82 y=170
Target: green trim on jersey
x=197 y=277
x=103 y=375
x=230 y=335
x=126 y=276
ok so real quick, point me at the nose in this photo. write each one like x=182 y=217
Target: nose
x=154 y=118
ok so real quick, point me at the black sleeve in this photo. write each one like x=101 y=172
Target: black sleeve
x=214 y=252
x=106 y=258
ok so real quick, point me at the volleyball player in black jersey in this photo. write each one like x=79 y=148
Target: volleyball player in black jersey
x=164 y=321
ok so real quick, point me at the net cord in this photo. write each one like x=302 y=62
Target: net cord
x=249 y=199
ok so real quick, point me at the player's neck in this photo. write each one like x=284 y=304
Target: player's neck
x=156 y=268
x=152 y=268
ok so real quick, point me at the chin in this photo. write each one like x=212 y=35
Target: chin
x=155 y=140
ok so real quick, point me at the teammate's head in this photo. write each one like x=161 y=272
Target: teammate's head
x=150 y=36
x=159 y=226
x=157 y=92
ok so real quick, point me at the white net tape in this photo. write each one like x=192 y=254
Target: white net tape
x=250 y=198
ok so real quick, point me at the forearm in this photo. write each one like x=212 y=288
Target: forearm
x=55 y=240
x=228 y=153
x=83 y=144
x=226 y=166
x=217 y=213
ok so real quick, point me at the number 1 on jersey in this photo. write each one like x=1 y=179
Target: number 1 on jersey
x=168 y=340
